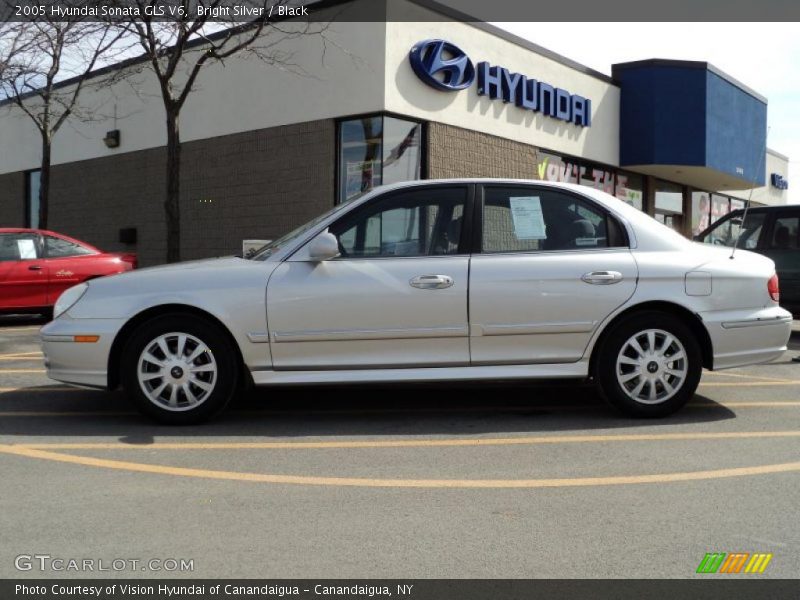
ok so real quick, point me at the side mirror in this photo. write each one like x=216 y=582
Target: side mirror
x=323 y=247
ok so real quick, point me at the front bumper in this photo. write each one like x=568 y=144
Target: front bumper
x=747 y=337
x=79 y=363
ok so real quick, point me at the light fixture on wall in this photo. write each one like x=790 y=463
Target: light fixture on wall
x=112 y=138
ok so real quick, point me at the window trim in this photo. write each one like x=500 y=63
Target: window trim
x=477 y=233
x=466 y=226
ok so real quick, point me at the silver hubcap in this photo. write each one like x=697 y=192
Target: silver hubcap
x=177 y=372
x=652 y=366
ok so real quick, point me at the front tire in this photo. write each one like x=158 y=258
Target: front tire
x=649 y=365
x=179 y=369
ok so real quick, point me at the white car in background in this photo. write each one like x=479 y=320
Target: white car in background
x=431 y=281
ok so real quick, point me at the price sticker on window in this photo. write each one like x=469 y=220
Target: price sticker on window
x=526 y=213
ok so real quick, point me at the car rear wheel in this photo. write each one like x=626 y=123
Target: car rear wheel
x=179 y=369
x=649 y=365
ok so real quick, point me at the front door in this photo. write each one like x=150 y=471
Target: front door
x=396 y=297
x=23 y=274
x=551 y=267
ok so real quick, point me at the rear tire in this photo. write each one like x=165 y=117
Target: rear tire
x=179 y=369
x=649 y=365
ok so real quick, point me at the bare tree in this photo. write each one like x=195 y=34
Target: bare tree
x=44 y=67
x=181 y=43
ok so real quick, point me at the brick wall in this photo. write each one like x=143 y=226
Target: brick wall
x=258 y=184
x=456 y=152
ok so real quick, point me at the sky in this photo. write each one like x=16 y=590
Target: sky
x=763 y=56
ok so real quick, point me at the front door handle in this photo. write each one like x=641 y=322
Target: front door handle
x=431 y=282
x=602 y=277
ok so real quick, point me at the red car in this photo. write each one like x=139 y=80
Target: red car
x=37 y=265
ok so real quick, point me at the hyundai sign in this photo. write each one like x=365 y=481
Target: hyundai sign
x=445 y=67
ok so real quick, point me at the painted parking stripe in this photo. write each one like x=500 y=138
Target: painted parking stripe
x=23 y=371
x=400 y=483
x=435 y=443
x=387 y=411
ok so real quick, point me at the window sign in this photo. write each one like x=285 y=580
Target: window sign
x=27 y=249
x=526 y=213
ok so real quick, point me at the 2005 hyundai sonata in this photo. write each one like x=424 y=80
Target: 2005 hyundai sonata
x=431 y=281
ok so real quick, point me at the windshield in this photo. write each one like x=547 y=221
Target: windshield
x=265 y=252
x=727 y=231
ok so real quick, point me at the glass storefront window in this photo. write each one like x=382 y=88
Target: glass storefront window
x=32 y=201
x=376 y=150
x=669 y=204
x=401 y=150
x=701 y=211
x=625 y=186
x=630 y=188
x=720 y=206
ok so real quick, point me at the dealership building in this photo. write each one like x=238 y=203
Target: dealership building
x=427 y=95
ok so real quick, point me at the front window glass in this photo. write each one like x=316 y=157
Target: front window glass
x=726 y=232
x=414 y=223
x=18 y=246
x=524 y=220
x=377 y=150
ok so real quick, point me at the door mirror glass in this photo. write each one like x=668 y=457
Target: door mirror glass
x=323 y=247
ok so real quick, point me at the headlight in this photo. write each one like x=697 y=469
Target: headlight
x=68 y=299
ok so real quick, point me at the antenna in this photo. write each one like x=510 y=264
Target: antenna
x=750 y=196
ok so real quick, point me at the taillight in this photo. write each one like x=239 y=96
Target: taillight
x=773 y=288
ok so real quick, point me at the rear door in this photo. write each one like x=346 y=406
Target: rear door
x=23 y=275
x=68 y=263
x=549 y=268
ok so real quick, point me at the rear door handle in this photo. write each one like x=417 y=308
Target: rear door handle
x=602 y=277
x=431 y=282
x=34 y=268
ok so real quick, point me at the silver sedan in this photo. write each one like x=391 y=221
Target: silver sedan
x=431 y=281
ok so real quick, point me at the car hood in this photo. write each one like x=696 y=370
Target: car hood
x=196 y=283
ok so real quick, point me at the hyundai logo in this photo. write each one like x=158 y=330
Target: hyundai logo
x=442 y=65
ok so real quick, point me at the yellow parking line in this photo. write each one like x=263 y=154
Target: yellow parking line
x=399 y=483
x=65 y=413
x=745 y=376
x=453 y=442
x=748 y=383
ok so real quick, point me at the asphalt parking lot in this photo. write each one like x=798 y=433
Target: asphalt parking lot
x=479 y=481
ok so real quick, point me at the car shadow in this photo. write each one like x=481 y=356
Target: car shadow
x=363 y=410
x=22 y=320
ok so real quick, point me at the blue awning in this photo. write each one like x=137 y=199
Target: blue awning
x=689 y=122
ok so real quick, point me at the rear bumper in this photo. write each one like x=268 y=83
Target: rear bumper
x=747 y=337
x=78 y=363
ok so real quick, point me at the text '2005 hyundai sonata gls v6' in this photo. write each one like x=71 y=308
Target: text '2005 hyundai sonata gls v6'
x=431 y=281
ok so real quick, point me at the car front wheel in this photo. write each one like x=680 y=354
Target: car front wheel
x=649 y=365
x=179 y=369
